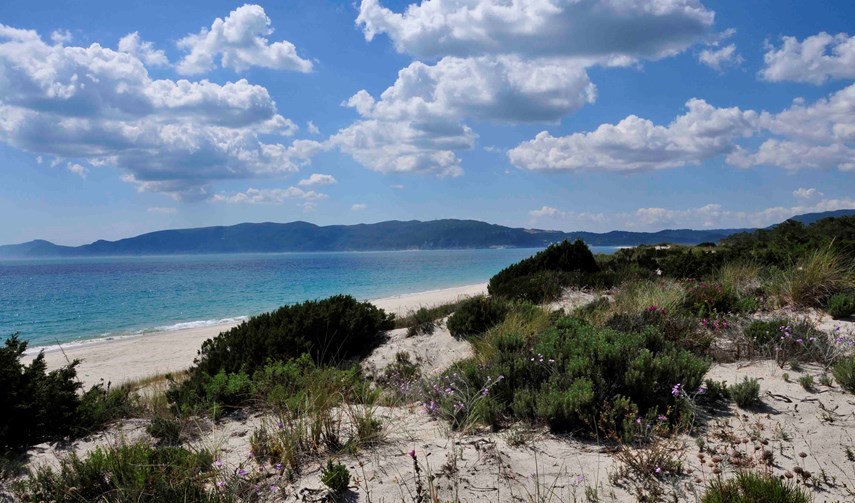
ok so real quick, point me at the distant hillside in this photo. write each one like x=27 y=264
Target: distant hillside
x=393 y=235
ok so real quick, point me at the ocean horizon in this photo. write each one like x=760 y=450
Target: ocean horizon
x=68 y=300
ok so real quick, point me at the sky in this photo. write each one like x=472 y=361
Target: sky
x=555 y=114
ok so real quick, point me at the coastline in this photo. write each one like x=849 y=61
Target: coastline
x=126 y=358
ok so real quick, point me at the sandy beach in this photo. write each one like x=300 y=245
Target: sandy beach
x=136 y=357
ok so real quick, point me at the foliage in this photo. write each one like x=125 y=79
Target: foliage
x=679 y=330
x=841 y=305
x=426 y=313
x=791 y=240
x=745 y=394
x=540 y=278
x=329 y=331
x=476 y=315
x=39 y=405
x=135 y=472
x=166 y=429
x=573 y=376
x=636 y=296
x=336 y=477
x=763 y=332
x=807 y=382
x=423 y=322
x=844 y=373
x=750 y=487
x=705 y=299
x=816 y=277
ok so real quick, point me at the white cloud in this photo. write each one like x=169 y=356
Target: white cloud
x=100 y=105
x=805 y=194
x=815 y=60
x=636 y=144
x=718 y=59
x=142 y=50
x=162 y=210
x=239 y=40
x=397 y=186
x=358 y=207
x=318 y=179
x=582 y=28
x=312 y=128
x=545 y=211
x=61 y=37
x=77 y=169
x=268 y=196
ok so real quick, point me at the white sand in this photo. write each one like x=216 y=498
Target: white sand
x=131 y=358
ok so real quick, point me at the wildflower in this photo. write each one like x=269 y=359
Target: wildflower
x=242 y=472
x=278 y=467
x=580 y=479
x=221 y=483
x=218 y=463
x=661 y=417
x=485 y=391
x=280 y=424
x=676 y=390
x=702 y=389
x=638 y=420
x=658 y=470
x=412 y=454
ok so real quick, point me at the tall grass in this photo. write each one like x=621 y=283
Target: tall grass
x=523 y=319
x=812 y=280
x=741 y=278
x=636 y=296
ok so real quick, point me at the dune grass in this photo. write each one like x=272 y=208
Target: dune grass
x=811 y=281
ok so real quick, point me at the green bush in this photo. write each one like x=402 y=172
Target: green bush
x=573 y=376
x=541 y=277
x=423 y=322
x=763 y=332
x=336 y=476
x=38 y=405
x=332 y=330
x=136 y=472
x=704 y=299
x=677 y=330
x=749 y=487
x=841 y=305
x=844 y=373
x=745 y=394
x=165 y=429
x=476 y=315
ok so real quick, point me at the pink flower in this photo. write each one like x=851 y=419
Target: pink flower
x=412 y=454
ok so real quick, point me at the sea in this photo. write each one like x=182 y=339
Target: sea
x=69 y=300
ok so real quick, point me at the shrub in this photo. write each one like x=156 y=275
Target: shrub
x=329 y=331
x=476 y=315
x=841 y=305
x=745 y=394
x=336 y=476
x=39 y=405
x=136 y=472
x=540 y=278
x=844 y=373
x=749 y=487
x=807 y=382
x=813 y=280
x=573 y=376
x=166 y=430
x=763 y=332
x=704 y=299
x=681 y=331
x=636 y=296
x=423 y=322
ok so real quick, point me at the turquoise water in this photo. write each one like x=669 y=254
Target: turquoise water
x=62 y=300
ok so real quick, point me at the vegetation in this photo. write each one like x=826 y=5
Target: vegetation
x=336 y=477
x=476 y=315
x=750 y=487
x=745 y=394
x=135 y=472
x=43 y=406
x=844 y=373
x=841 y=305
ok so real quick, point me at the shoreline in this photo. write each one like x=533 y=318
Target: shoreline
x=123 y=358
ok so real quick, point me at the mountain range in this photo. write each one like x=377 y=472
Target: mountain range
x=392 y=235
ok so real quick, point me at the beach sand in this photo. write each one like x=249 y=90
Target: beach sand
x=136 y=357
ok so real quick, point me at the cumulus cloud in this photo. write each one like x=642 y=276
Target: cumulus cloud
x=163 y=210
x=77 y=169
x=636 y=144
x=545 y=211
x=61 y=37
x=268 y=196
x=239 y=41
x=144 y=51
x=318 y=179
x=818 y=135
x=312 y=128
x=508 y=62
x=358 y=207
x=805 y=194
x=718 y=59
x=100 y=105
x=583 y=28
x=814 y=60
x=417 y=124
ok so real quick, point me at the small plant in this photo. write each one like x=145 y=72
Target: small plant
x=476 y=315
x=749 y=487
x=745 y=394
x=786 y=376
x=807 y=383
x=423 y=322
x=336 y=476
x=826 y=380
x=844 y=373
x=841 y=305
x=166 y=430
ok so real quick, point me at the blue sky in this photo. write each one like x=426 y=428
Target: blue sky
x=571 y=115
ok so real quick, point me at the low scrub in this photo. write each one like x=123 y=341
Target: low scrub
x=706 y=299
x=844 y=373
x=841 y=305
x=573 y=376
x=39 y=405
x=476 y=315
x=745 y=394
x=135 y=472
x=813 y=280
x=542 y=277
x=749 y=487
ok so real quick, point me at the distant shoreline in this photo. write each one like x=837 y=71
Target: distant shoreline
x=131 y=357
